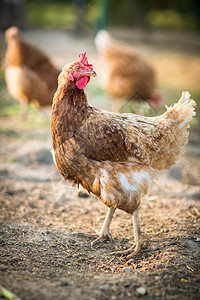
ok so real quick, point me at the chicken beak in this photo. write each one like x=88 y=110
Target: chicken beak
x=91 y=73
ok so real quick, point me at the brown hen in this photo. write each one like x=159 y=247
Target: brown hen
x=125 y=74
x=113 y=156
x=30 y=75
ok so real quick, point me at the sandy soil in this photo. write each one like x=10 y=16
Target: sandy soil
x=44 y=254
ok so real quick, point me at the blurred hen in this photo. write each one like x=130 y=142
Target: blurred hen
x=124 y=73
x=30 y=75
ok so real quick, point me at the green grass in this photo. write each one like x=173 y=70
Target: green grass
x=10 y=110
x=53 y=15
x=34 y=118
x=12 y=160
x=60 y=15
x=65 y=15
x=170 y=19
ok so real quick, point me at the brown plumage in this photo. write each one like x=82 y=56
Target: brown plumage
x=113 y=156
x=30 y=75
x=125 y=74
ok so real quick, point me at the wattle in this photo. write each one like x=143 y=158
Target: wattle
x=82 y=82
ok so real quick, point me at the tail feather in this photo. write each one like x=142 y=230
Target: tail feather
x=174 y=140
x=183 y=111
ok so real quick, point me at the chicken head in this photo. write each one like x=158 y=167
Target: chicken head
x=81 y=71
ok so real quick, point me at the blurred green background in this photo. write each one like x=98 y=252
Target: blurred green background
x=84 y=14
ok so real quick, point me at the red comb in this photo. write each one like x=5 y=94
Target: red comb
x=84 y=60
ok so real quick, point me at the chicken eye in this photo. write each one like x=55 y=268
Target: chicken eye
x=78 y=68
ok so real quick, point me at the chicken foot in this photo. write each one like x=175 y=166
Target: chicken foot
x=135 y=249
x=104 y=232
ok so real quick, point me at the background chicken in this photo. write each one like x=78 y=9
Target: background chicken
x=30 y=75
x=113 y=156
x=124 y=73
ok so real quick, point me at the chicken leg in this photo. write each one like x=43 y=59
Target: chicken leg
x=104 y=232
x=135 y=249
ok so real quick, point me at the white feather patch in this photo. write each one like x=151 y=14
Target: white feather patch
x=126 y=186
x=53 y=156
x=140 y=176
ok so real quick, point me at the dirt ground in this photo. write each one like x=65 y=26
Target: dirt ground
x=44 y=254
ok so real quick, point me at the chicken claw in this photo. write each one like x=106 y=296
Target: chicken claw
x=135 y=249
x=102 y=237
x=105 y=228
x=132 y=251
